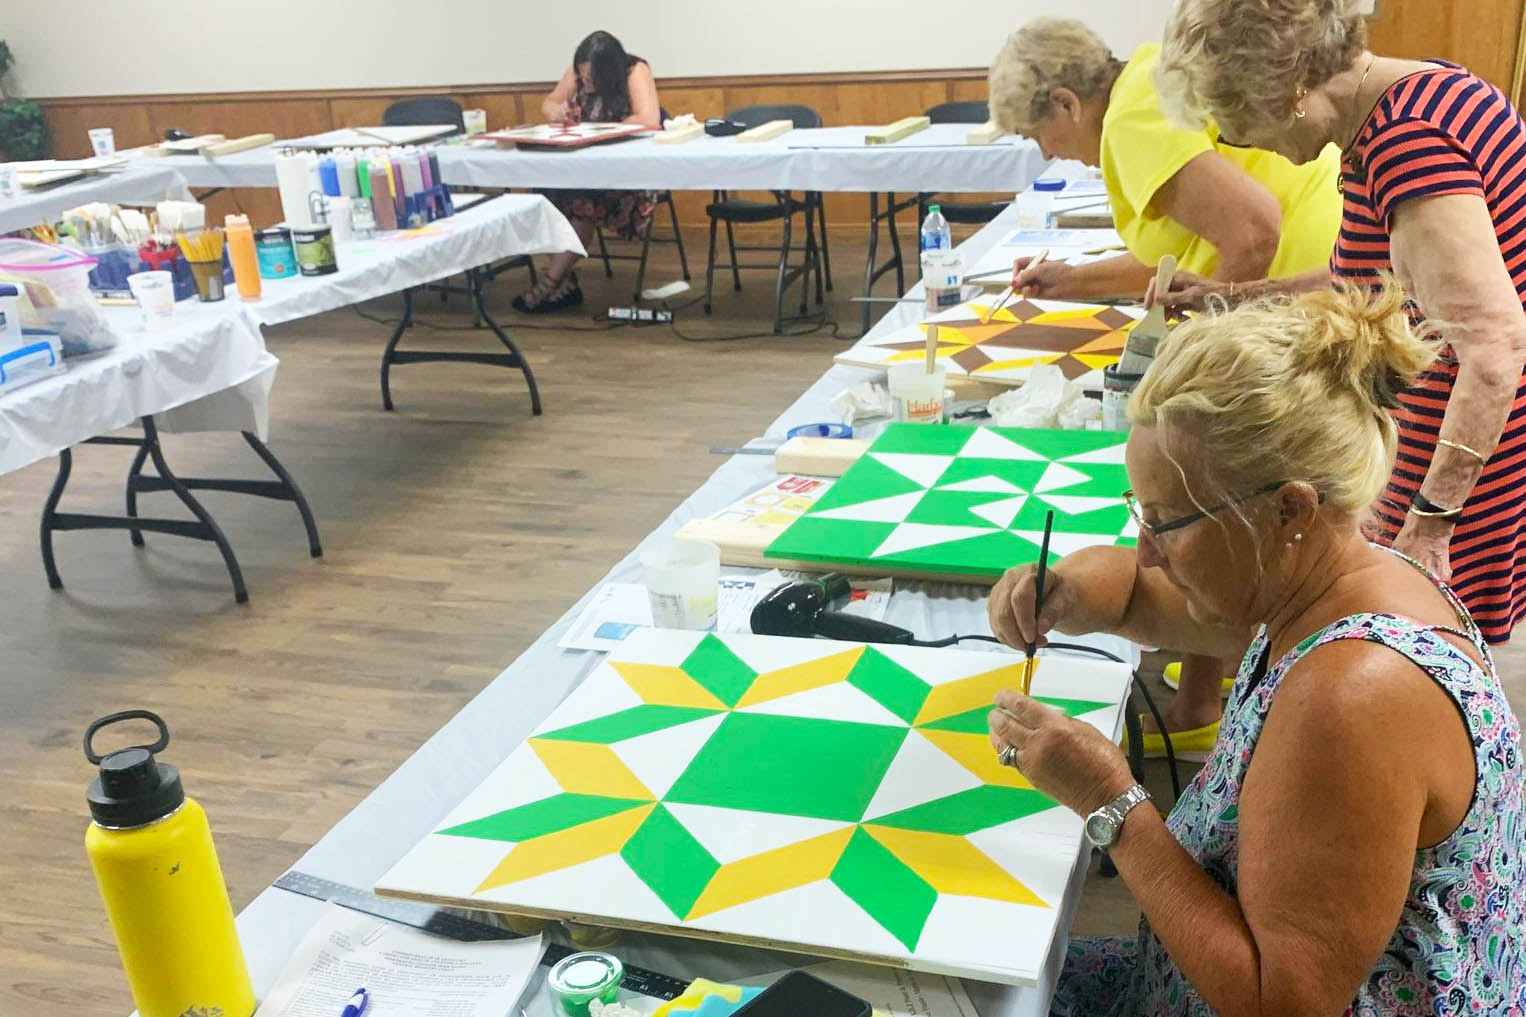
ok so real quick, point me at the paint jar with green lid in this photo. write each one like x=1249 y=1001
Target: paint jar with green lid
x=580 y=979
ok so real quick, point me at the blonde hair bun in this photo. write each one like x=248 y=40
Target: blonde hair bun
x=1291 y=388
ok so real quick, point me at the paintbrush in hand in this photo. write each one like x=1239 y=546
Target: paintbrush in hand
x=1011 y=291
x=1038 y=600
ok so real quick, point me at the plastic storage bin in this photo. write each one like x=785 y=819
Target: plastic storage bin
x=55 y=294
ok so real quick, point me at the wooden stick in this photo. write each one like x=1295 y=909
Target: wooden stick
x=932 y=345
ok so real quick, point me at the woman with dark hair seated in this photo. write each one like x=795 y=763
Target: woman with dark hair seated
x=605 y=84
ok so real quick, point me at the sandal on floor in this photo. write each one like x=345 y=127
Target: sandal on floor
x=572 y=298
x=1171 y=674
x=1192 y=745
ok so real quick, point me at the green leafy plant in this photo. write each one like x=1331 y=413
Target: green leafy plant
x=23 y=127
x=23 y=130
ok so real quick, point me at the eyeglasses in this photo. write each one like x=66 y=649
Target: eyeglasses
x=1154 y=530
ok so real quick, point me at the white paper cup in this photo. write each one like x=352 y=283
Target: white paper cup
x=681 y=578
x=103 y=141
x=475 y=120
x=919 y=397
x=10 y=186
x=339 y=219
x=155 y=294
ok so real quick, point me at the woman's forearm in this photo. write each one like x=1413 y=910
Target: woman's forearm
x=1201 y=926
x=1122 y=276
x=1475 y=416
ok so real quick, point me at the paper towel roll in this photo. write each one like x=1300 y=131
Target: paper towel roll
x=293 y=185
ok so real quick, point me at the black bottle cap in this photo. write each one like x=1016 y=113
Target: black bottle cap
x=133 y=788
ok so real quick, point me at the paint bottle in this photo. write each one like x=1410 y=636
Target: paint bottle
x=382 y=208
x=240 y=244
x=151 y=851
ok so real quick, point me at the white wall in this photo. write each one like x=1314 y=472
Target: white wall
x=110 y=47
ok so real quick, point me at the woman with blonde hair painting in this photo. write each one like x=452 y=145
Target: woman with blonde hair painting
x=1235 y=214
x=1354 y=842
x=1434 y=187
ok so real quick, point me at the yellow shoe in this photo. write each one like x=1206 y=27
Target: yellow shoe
x=1192 y=745
x=1172 y=676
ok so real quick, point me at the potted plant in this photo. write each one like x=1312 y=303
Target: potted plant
x=23 y=128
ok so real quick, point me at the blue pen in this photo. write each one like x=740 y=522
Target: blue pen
x=357 y=1004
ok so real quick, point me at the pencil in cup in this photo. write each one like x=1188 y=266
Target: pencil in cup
x=203 y=250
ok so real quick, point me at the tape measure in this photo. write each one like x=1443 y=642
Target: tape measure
x=452 y=926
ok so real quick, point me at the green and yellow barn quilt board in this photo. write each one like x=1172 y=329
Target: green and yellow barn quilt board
x=829 y=798
x=950 y=501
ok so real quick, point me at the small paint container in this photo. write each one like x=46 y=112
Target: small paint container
x=582 y=978
x=1116 y=389
x=315 y=250
x=918 y=395
x=273 y=250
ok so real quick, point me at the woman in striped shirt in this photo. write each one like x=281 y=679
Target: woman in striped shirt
x=1435 y=191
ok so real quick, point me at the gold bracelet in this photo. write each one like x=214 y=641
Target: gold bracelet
x=1459 y=446
x=1426 y=509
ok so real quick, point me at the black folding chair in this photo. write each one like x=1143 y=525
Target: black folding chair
x=724 y=208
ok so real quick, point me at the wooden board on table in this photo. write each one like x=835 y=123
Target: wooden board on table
x=767 y=132
x=1080 y=339
x=184 y=146
x=985 y=134
x=935 y=500
x=723 y=786
x=902 y=128
x=819 y=457
x=565 y=136
x=232 y=145
x=679 y=135
x=366 y=137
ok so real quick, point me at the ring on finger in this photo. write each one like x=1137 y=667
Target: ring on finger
x=1007 y=756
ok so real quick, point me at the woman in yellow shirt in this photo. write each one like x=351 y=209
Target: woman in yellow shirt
x=1223 y=211
x=1234 y=214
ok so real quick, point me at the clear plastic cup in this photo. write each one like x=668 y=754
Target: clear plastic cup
x=682 y=577
x=155 y=294
x=103 y=142
x=475 y=120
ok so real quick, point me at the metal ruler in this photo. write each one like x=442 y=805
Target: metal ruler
x=452 y=926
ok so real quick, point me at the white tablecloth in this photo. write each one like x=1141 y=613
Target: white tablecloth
x=821 y=159
x=211 y=360
x=211 y=367
x=412 y=801
x=143 y=181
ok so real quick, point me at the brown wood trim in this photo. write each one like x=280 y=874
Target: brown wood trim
x=527 y=87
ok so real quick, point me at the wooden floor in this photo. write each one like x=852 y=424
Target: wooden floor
x=456 y=529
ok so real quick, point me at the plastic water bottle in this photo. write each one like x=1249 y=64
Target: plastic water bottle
x=1035 y=206
x=942 y=268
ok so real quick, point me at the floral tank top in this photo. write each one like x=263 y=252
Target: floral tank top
x=1460 y=943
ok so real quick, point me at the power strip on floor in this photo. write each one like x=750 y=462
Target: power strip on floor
x=640 y=314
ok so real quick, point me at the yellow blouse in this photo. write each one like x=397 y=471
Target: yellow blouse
x=1142 y=150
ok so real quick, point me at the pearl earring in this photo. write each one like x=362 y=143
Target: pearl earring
x=1298 y=536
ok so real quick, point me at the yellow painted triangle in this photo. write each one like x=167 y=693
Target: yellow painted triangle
x=953 y=865
x=1008 y=365
x=771 y=872
x=566 y=848
x=666 y=686
x=1096 y=361
x=974 y=333
x=586 y=768
x=975 y=753
x=813 y=674
x=1084 y=317
x=1114 y=341
x=967 y=693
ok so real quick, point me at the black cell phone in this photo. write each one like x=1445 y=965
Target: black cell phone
x=798 y=994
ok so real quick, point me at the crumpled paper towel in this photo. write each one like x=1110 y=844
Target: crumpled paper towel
x=682 y=120
x=1047 y=399
x=863 y=401
x=599 y=1008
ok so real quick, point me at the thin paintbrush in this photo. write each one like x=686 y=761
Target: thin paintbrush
x=1010 y=291
x=1038 y=599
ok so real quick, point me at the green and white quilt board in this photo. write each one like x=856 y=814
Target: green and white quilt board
x=949 y=501
x=828 y=798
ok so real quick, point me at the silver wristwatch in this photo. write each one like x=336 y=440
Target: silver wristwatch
x=1103 y=825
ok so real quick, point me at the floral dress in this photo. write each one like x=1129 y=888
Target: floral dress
x=1458 y=947
x=624 y=214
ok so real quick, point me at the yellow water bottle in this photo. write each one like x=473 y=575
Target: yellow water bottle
x=152 y=855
